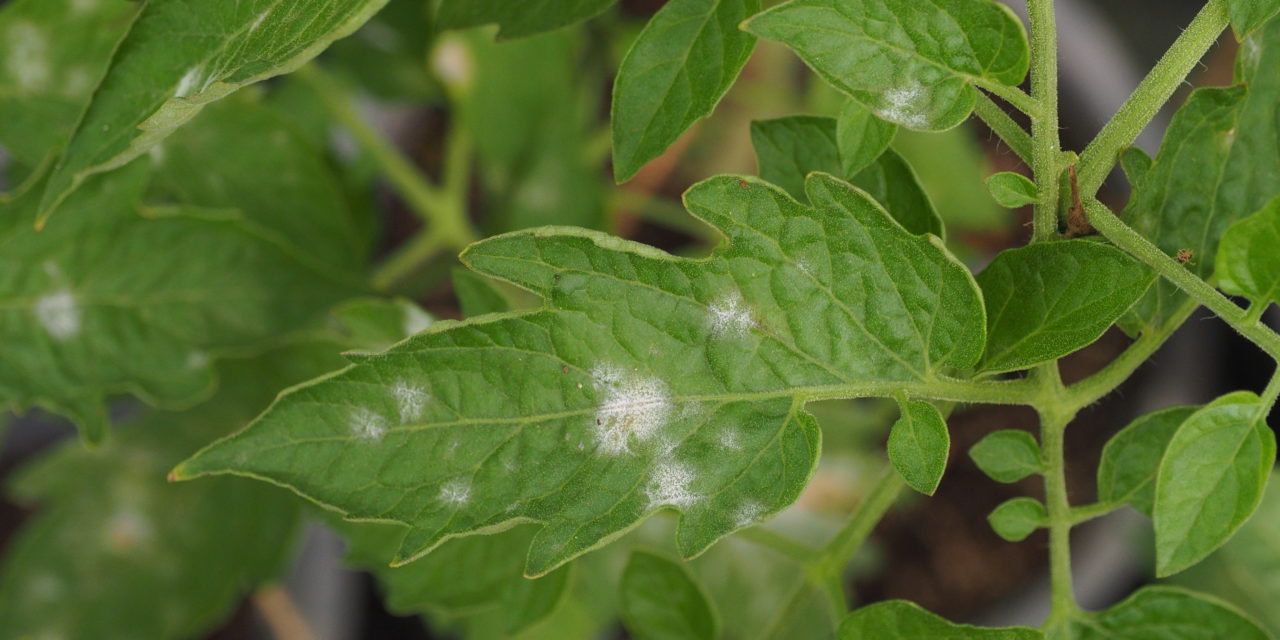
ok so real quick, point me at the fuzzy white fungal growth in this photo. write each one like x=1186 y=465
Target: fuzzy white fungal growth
x=59 y=313
x=28 y=59
x=747 y=513
x=730 y=316
x=257 y=22
x=416 y=320
x=410 y=400
x=669 y=486
x=633 y=407
x=902 y=105
x=731 y=439
x=192 y=82
x=367 y=425
x=455 y=492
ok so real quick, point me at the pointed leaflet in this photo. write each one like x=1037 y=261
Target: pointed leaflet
x=1050 y=299
x=1017 y=518
x=1168 y=613
x=1131 y=458
x=661 y=601
x=1248 y=16
x=861 y=137
x=52 y=54
x=679 y=67
x=1211 y=480
x=1012 y=190
x=919 y=444
x=912 y=63
x=648 y=382
x=1008 y=455
x=517 y=18
x=905 y=620
x=178 y=290
x=1248 y=263
x=183 y=54
x=1219 y=162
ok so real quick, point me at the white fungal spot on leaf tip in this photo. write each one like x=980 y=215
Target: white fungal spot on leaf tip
x=748 y=513
x=730 y=316
x=410 y=400
x=192 y=82
x=28 y=59
x=455 y=492
x=416 y=320
x=60 y=314
x=633 y=407
x=669 y=486
x=367 y=425
x=903 y=105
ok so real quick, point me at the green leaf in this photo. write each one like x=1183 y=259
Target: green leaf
x=376 y=323
x=1136 y=164
x=677 y=70
x=1248 y=16
x=913 y=64
x=1131 y=458
x=919 y=445
x=1168 y=613
x=1211 y=480
x=648 y=382
x=1008 y=455
x=893 y=183
x=517 y=18
x=660 y=600
x=1218 y=163
x=1012 y=190
x=478 y=295
x=789 y=149
x=951 y=166
x=861 y=137
x=1248 y=263
x=54 y=53
x=1017 y=518
x=183 y=288
x=1047 y=300
x=905 y=620
x=183 y=54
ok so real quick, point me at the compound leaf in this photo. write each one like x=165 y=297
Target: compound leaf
x=1008 y=455
x=648 y=382
x=679 y=67
x=517 y=18
x=1248 y=263
x=661 y=600
x=908 y=621
x=1047 y=300
x=1168 y=613
x=919 y=445
x=1017 y=518
x=1211 y=480
x=183 y=54
x=911 y=63
x=1131 y=458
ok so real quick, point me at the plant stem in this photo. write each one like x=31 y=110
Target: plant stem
x=797 y=551
x=1109 y=225
x=1013 y=135
x=1052 y=431
x=837 y=553
x=408 y=257
x=1016 y=97
x=1044 y=124
x=1088 y=512
x=1154 y=91
x=1093 y=388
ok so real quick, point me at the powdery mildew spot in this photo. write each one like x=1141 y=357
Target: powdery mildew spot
x=192 y=82
x=731 y=439
x=28 y=60
x=455 y=492
x=157 y=154
x=902 y=105
x=730 y=316
x=197 y=360
x=410 y=400
x=257 y=22
x=633 y=407
x=669 y=486
x=367 y=425
x=77 y=82
x=128 y=530
x=59 y=313
x=747 y=513
x=416 y=320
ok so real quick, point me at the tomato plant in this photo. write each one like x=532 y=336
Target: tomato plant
x=195 y=219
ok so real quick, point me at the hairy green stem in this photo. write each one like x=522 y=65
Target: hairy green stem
x=1013 y=135
x=1016 y=97
x=1093 y=388
x=1088 y=512
x=1154 y=91
x=829 y=566
x=1120 y=234
x=1058 y=506
x=1045 y=145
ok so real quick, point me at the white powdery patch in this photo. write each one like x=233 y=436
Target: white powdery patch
x=367 y=425
x=730 y=316
x=416 y=320
x=747 y=513
x=128 y=530
x=669 y=486
x=731 y=439
x=455 y=492
x=410 y=400
x=59 y=313
x=257 y=22
x=633 y=407
x=192 y=82
x=197 y=360
x=902 y=105
x=28 y=62
x=157 y=154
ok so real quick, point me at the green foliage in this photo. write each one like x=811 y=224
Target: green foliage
x=1248 y=264
x=861 y=137
x=1012 y=190
x=660 y=600
x=1167 y=612
x=1131 y=458
x=1248 y=16
x=684 y=61
x=919 y=445
x=1008 y=455
x=1017 y=518
x=914 y=65
x=517 y=19
x=906 y=620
